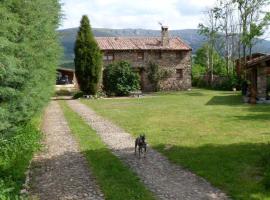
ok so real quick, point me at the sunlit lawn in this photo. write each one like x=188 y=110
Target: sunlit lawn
x=209 y=132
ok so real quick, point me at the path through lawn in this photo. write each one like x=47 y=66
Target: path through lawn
x=60 y=171
x=166 y=180
x=210 y=132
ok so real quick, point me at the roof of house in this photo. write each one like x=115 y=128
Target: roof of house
x=65 y=69
x=257 y=60
x=140 y=43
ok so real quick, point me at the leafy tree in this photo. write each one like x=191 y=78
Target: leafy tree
x=200 y=62
x=88 y=59
x=119 y=79
x=253 y=21
x=29 y=54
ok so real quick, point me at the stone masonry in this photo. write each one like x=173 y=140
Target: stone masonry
x=261 y=83
x=169 y=53
x=170 y=60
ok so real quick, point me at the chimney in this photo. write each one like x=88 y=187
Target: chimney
x=164 y=36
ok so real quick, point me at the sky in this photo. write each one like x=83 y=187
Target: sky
x=177 y=14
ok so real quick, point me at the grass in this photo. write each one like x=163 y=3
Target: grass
x=209 y=132
x=15 y=155
x=115 y=179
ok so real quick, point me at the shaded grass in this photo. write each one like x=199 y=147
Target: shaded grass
x=115 y=179
x=209 y=132
x=15 y=154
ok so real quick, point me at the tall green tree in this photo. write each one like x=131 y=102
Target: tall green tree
x=88 y=59
x=29 y=54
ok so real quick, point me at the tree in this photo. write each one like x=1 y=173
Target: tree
x=210 y=30
x=29 y=54
x=228 y=27
x=88 y=59
x=200 y=62
x=253 y=21
x=119 y=79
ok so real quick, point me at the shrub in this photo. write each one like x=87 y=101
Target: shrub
x=219 y=83
x=119 y=79
x=78 y=95
x=88 y=59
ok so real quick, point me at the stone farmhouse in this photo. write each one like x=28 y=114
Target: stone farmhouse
x=169 y=53
x=257 y=72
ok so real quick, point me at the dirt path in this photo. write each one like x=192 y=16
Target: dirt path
x=60 y=171
x=166 y=180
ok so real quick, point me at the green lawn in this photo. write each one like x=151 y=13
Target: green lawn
x=116 y=180
x=209 y=132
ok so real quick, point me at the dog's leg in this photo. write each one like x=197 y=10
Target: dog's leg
x=145 y=151
x=140 y=150
x=135 y=147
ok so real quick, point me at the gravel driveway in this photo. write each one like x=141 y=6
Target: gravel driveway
x=60 y=171
x=166 y=180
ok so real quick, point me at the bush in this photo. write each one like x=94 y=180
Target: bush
x=119 y=79
x=78 y=95
x=219 y=83
x=15 y=155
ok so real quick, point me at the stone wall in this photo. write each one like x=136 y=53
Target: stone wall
x=262 y=83
x=170 y=60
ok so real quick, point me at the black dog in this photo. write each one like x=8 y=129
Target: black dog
x=140 y=142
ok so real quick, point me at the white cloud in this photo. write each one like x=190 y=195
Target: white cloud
x=177 y=14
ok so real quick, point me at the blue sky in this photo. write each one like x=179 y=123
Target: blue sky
x=177 y=14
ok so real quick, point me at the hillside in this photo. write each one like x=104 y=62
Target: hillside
x=190 y=36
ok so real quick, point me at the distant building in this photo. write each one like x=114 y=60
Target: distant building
x=169 y=53
x=65 y=76
x=257 y=73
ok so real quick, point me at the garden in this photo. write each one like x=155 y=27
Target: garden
x=211 y=133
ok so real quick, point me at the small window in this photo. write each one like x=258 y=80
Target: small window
x=108 y=57
x=180 y=55
x=140 y=56
x=179 y=73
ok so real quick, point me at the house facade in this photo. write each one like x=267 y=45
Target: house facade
x=169 y=53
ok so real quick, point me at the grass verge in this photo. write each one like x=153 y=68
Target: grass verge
x=15 y=155
x=212 y=133
x=116 y=180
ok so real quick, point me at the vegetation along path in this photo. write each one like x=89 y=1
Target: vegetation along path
x=166 y=180
x=60 y=171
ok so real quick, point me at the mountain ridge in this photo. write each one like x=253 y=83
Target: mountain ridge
x=190 y=36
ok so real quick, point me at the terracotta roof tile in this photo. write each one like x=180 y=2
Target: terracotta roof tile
x=140 y=43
